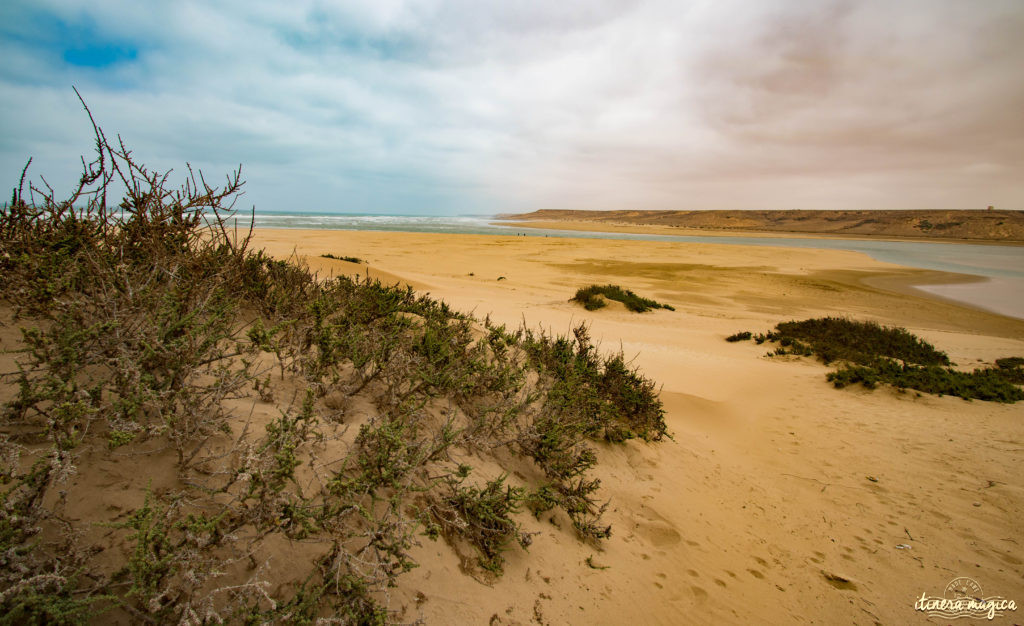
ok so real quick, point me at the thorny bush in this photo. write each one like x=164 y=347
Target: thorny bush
x=150 y=330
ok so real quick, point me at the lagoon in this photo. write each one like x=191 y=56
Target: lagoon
x=1001 y=267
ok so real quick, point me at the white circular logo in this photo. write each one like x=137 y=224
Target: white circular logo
x=963 y=587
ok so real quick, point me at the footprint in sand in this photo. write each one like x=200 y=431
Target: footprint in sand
x=640 y=464
x=657 y=530
x=839 y=582
x=1012 y=560
x=659 y=533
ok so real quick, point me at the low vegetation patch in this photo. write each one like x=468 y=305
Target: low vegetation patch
x=1012 y=369
x=350 y=259
x=594 y=297
x=871 y=354
x=841 y=339
x=221 y=381
x=980 y=384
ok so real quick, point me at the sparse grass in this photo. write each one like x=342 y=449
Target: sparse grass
x=871 y=354
x=350 y=259
x=592 y=565
x=141 y=324
x=593 y=298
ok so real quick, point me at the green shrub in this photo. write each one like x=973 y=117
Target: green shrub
x=591 y=298
x=484 y=517
x=1010 y=362
x=983 y=384
x=590 y=396
x=1012 y=369
x=871 y=354
x=841 y=339
x=601 y=395
x=143 y=321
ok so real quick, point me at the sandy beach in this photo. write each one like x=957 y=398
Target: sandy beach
x=781 y=500
x=512 y=313
x=642 y=313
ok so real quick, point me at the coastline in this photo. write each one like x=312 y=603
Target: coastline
x=1006 y=298
x=761 y=502
x=801 y=275
x=946 y=268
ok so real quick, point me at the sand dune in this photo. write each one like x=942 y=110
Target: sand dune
x=781 y=500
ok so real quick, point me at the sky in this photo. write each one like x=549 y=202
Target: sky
x=440 y=107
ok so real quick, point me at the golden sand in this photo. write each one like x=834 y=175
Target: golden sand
x=781 y=500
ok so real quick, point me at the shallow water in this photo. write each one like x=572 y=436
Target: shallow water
x=1003 y=266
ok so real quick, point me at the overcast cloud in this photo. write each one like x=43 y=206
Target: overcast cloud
x=461 y=107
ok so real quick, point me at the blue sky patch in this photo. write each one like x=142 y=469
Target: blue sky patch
x=99 y=55
x=77 y=42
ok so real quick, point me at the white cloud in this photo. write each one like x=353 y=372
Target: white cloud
x=464 y=106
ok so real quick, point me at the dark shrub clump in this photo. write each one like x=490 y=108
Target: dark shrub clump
x=840 y=339
x=589 y=298
x=350 y=259
x=871 y=354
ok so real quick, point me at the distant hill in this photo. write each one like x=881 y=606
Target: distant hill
x=976 y=225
